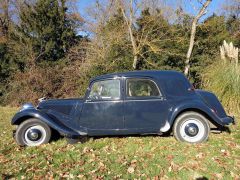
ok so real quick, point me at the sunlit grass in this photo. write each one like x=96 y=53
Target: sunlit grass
x=224 y=80
x=126 y=157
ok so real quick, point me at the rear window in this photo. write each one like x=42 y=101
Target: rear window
x=141 y=88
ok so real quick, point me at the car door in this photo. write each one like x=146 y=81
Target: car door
x=145 y=108
x=102 y=112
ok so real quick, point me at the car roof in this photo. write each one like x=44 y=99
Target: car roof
x=146 y=73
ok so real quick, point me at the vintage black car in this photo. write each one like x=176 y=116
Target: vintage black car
x=130 y=103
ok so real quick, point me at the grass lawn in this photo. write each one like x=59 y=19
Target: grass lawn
x=120 y=158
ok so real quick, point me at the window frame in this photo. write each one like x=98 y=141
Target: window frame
x=141 y=97
x=88 y=99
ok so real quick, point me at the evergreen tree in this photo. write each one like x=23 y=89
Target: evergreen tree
x=44 y=32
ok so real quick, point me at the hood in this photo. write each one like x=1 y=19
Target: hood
x=64 y=106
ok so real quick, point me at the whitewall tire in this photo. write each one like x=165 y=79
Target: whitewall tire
x=191 y=127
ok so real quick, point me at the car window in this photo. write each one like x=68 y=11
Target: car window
x=142 y=88
x=105 y=90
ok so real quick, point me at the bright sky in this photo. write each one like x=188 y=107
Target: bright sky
x=215 y=6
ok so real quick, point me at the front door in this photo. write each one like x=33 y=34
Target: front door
x=102 y=112
x=145 y=108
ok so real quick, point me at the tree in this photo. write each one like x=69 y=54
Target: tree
x=193 y=32
x=5 y=23
x=4 y=20
x=231 y=8
x=150 y=42
x=44 y=32
x=209 y=36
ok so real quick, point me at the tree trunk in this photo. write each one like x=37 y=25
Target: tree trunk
x=129 y=22
x=135 y=60
x=192 y=37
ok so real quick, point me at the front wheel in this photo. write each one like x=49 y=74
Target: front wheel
x=191 y=127
x=32 y=132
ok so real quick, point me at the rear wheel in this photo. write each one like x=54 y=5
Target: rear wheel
x=191 y=127
x=32 y=132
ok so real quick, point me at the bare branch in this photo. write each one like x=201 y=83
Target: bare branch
x=192 y=37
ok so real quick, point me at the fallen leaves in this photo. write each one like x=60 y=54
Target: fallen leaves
x=173 y=167
x=200 y=155
x=146 y=157
x=218 y=175
x=130 y=170
x=225 y=152
x=132 y=166
x=87 y=150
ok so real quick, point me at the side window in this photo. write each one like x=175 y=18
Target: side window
x=142 y=88
x=105 y=90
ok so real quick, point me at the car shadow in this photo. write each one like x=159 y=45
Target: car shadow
x=56 y=136
x=134 y=135
x=220 y=130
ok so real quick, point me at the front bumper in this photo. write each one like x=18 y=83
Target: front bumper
x=228 y=120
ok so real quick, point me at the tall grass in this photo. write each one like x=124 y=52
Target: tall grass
x=224 y=80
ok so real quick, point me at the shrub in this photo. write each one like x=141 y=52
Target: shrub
x=224 y=80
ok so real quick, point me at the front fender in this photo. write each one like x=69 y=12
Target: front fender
x=199 y=106
x=51 y=121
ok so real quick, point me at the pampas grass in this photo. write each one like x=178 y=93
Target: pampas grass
x=223 y=78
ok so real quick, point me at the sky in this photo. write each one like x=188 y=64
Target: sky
x=215 y=6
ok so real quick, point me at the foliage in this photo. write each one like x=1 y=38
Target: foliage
x=161 y=50
x=141 y=157
x=224 y=79
x=44 y=32
x=233 y=26
x=34 y=58
x=58 y=80
x=210 y=35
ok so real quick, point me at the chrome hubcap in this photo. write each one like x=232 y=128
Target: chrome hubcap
x=192 y=130
x=35 y=135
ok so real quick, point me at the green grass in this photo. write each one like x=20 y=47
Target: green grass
x=120 y=158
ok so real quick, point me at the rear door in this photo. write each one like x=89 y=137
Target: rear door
x=145 y=108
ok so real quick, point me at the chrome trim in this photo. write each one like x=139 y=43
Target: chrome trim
x=27 y=106
x=139 y=78
x=153 y=99
x=126 y=100
x=116 y=78
x=42 y=99
x=100 y=101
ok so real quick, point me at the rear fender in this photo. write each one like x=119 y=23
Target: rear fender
x=50 y=121
x=191 y=106
x=197 y=106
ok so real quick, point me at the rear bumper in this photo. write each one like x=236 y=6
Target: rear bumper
x=228 y=120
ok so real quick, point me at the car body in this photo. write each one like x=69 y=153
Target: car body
x=137 y=102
